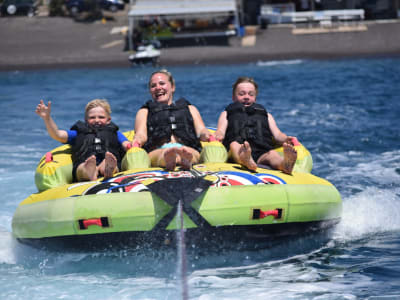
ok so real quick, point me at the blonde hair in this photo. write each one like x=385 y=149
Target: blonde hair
x=98 y=103
x=244 y=79
x=165 y=72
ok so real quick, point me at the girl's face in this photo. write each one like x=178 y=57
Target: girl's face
x=161 y=89
x=97 y=117
x=245 y=93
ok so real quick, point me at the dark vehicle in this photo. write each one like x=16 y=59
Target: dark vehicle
x=112 y=5
x=77 y=6
x=380 y=9
x=18 y=7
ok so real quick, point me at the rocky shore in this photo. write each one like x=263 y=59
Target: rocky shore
x=60 y=42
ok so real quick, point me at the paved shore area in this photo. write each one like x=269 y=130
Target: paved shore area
x=60 y=42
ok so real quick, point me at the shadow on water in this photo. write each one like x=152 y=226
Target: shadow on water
x=161 y=262
x=114 y=262
x=280 y=248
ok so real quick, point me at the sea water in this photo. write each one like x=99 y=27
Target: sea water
x=346 y=112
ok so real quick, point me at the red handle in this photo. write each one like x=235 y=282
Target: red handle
x=264 y=214
x=101 y=222
x=212 y=138
x=295 y=142
x=49 y=157
x=89 y=222
x=136 y=144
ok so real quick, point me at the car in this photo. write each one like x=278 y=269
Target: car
x=112 y=5
x=18 y=7
x=77 y=6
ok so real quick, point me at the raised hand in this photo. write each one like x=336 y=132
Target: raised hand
x=42 y=110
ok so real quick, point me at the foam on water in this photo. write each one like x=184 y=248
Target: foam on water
x=354 y=171
x=345 y=113
x=370 y=186
x=15 y=187
x=366 y=214
x=383 y=168
x=297 y=277
x=369 y=212
x=6 y=249
x=279 y=62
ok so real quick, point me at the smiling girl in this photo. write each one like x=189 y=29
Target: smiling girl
x=169 y=131
x=250 y=133
x=97 y=145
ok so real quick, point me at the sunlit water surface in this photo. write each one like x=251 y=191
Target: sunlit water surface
x=345 y=112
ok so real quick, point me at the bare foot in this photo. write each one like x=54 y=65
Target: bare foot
x=170 y=158
x=289 y=158
x=110 y=165
x=186 y=158
x=245 y=157
x=90 y=168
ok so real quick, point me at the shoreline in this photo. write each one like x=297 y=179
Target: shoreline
x=179 y=62
x=41 y=43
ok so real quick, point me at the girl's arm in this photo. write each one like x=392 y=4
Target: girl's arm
x=279 y=136
x=125 y=143
x=222 y=126
x=44 y=112
x=141 y=127
x=199 y=126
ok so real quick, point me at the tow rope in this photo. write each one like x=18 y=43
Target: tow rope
x=180 y=193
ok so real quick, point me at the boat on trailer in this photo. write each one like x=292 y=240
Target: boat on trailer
x=145 y=54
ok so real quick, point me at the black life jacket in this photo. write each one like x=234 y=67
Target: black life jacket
x=165 y=120
x=95 y=141
x=248 y=123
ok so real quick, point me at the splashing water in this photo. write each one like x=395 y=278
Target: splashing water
x=344 y=112
x=181 y=246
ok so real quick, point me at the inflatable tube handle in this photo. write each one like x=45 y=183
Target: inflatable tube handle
x=101 y=222
x=260 y=214
x=87 y=223
x=295 y=142
x=49 y=157
x=267 y=213
x=136 y=144
x=212 y=138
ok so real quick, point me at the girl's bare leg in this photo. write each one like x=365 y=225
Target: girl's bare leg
x=242 y=154
x=277 y=162
x=185 y=158
x=169 y=158
x=110 y=165
x=289 y=158
x=164 y=158
x=87 y=170
x=157 y=158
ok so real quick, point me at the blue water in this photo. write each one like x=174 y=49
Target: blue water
x=347 y=114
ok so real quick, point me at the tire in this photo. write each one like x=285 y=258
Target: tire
x=31 y=12
x=74 y=11
x=113 y=8
x=11 y=9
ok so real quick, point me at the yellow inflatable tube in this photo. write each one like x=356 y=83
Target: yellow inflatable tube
x=55 y=167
